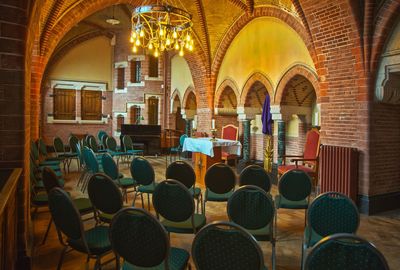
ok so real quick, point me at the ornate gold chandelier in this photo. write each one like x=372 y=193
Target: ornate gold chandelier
x=161 y=26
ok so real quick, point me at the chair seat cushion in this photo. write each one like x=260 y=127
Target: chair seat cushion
x=134 y=151
x=175 y=149
x=215 y=197
x=51 y=162
x=53 y=167
x=284 y=168
x=184 y=226
x=262 y=234
x=315 y=237
x=97 y=240
x=147 y=189
x=178 y=259
x=83 y=205
x=106 y=217
x=116 y=153
x=282 y=202
x=126 y=182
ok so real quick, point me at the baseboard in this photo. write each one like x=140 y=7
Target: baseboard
x=371 y=205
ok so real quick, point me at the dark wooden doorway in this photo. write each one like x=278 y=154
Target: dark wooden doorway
x=153 y=111
x=135 y=115
x=180 y=122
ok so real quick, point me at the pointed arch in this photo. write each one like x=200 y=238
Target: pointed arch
x=188 y=91
x=226 y=83
x=175 y=95
x=255 y=77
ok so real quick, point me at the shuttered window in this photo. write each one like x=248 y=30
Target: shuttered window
x=136 y=71
x=120 y=78
x=64 y=104
x=153 y=66
x=91 y=105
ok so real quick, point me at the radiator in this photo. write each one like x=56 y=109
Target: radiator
x=338 y=170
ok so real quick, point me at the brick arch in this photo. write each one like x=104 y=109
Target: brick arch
x=385 y=20
x=226 y=83
x=172 y=100
x=189 y=90
x=245 y=18
x=255 y=77
x=298 y=69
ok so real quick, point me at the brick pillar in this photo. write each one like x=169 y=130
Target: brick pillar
x=281 y=140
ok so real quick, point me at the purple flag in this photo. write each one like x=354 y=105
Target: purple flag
x=266 y=117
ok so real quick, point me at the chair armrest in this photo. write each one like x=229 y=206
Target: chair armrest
x=296 y=160
x=287 y=156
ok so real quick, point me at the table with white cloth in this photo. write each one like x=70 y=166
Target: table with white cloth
x=206 y=152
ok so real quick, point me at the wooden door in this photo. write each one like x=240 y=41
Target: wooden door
x=180 y=122
x=135 y=115
x=153 y=111
x=64 y=104
x=91 y=105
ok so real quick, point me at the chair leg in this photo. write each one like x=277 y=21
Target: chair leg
x=273 y=256
x=302 y=255
x=47 y=231
x=61 y=258
x=148 y=201
x=141 y=196
x=276 y=224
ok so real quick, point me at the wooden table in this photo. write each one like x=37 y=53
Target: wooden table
x=207 y=152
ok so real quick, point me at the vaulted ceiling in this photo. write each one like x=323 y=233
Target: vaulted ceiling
x=211 y=19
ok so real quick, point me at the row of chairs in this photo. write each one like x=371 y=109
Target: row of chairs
x=174 y=204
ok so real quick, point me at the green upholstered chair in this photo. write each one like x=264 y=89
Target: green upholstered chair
x=94 y=146
x=256 y=176
x=253 y=209
x=220 y=182
x=94 y=242
x=105 y=196
x=128 y=146
x=73 y=142
x=143 y=174
x=112 y=148
x=110 y=168
x=59 y=148
x=143 y=243
x=345 y=252
x=183 y=172
x=178 y=149
x=328 y=214
x=294 y=191
x=100 y=135
x=174 y=204
x=42 y=147
x=226 y=245
x=92 y=165
x=41 y=162
x=50 y=181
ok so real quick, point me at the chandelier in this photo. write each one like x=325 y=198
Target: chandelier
x=161 y=26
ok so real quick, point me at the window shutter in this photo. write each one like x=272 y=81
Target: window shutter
x=91 y=105
x=64 y=104
x=121 y=78
x=153 y=66
x=136 y=71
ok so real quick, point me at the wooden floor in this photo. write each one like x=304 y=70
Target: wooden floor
x=382 y=230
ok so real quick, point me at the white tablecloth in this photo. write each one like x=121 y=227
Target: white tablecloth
x=206 y=146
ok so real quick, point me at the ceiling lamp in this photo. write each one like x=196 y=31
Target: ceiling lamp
x=113 y=21
x=161 y=26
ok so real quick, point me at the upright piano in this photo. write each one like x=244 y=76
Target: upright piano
x=148 y=135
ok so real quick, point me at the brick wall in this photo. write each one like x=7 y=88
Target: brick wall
x=223 y=120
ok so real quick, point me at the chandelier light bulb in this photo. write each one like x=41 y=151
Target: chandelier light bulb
x=176 y=46
x=181 y=52
x=174 y=35
x=134 y=35
x=191 y=48
x=188 y=37
x=187 y=45
x=141 y=34
x=150 y=46
x=168 y=42
x=134 y=49
x=137 y=43
x=156 y=54
x=161 y=31
x=162 y=48
x=131 y=40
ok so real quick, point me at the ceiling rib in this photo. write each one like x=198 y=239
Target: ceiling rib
x=205 y=36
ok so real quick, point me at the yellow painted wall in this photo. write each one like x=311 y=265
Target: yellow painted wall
x=394 y=42
x=181 y=77
x=292 y=126
x=267 y=45
x=89 y=61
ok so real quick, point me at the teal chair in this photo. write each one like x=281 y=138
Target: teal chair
x=143 y=174
x=42 y=147
x=253 y=209
x=345 y=252
x=113 y=149
x=294 y=188
x=143 y=243
x=178 y=149
x=50 y=181
x=328 y=214
x=110 y=168
x=59 y=148
x=92 y=165
x=93 y=242
x=91 y=140
x=220 y=182
x=44 y=162
x=183 y=172
x=105 y=196
x=175 y=205
x=226 y=245
x=100 y=135
x=128 y=146
x=256 y=176
x=73 y=142
x=103 y=141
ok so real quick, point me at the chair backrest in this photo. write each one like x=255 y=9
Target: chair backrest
x=225 y=245
x=111 y=144
x=256 y=176
x=104 y=194
x=100 y=135
x=127 y=141
x=42 y=147
x=34 y=151
x=311 y=147
x=90 y=160
x=345 y=252
x=331 y=213
x=80 y=153
x=182 y=139
x=104 y=140
x=230 y=132
x=295 y=185
x=142 y=171
x=93 y=143
x=73 y=142
x=109 y=166
x=220 y=178
x=251 y=207
x=50 y=179
x=58 y=145
x=139 y=238
x=181 y=171
x=65 y=215
x=173 y=201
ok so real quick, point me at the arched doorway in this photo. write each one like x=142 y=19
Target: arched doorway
x=226 y=109
x=176 y=119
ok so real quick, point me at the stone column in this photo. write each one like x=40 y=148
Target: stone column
x=281 y=140
x=246 y=140
x=188 y=126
